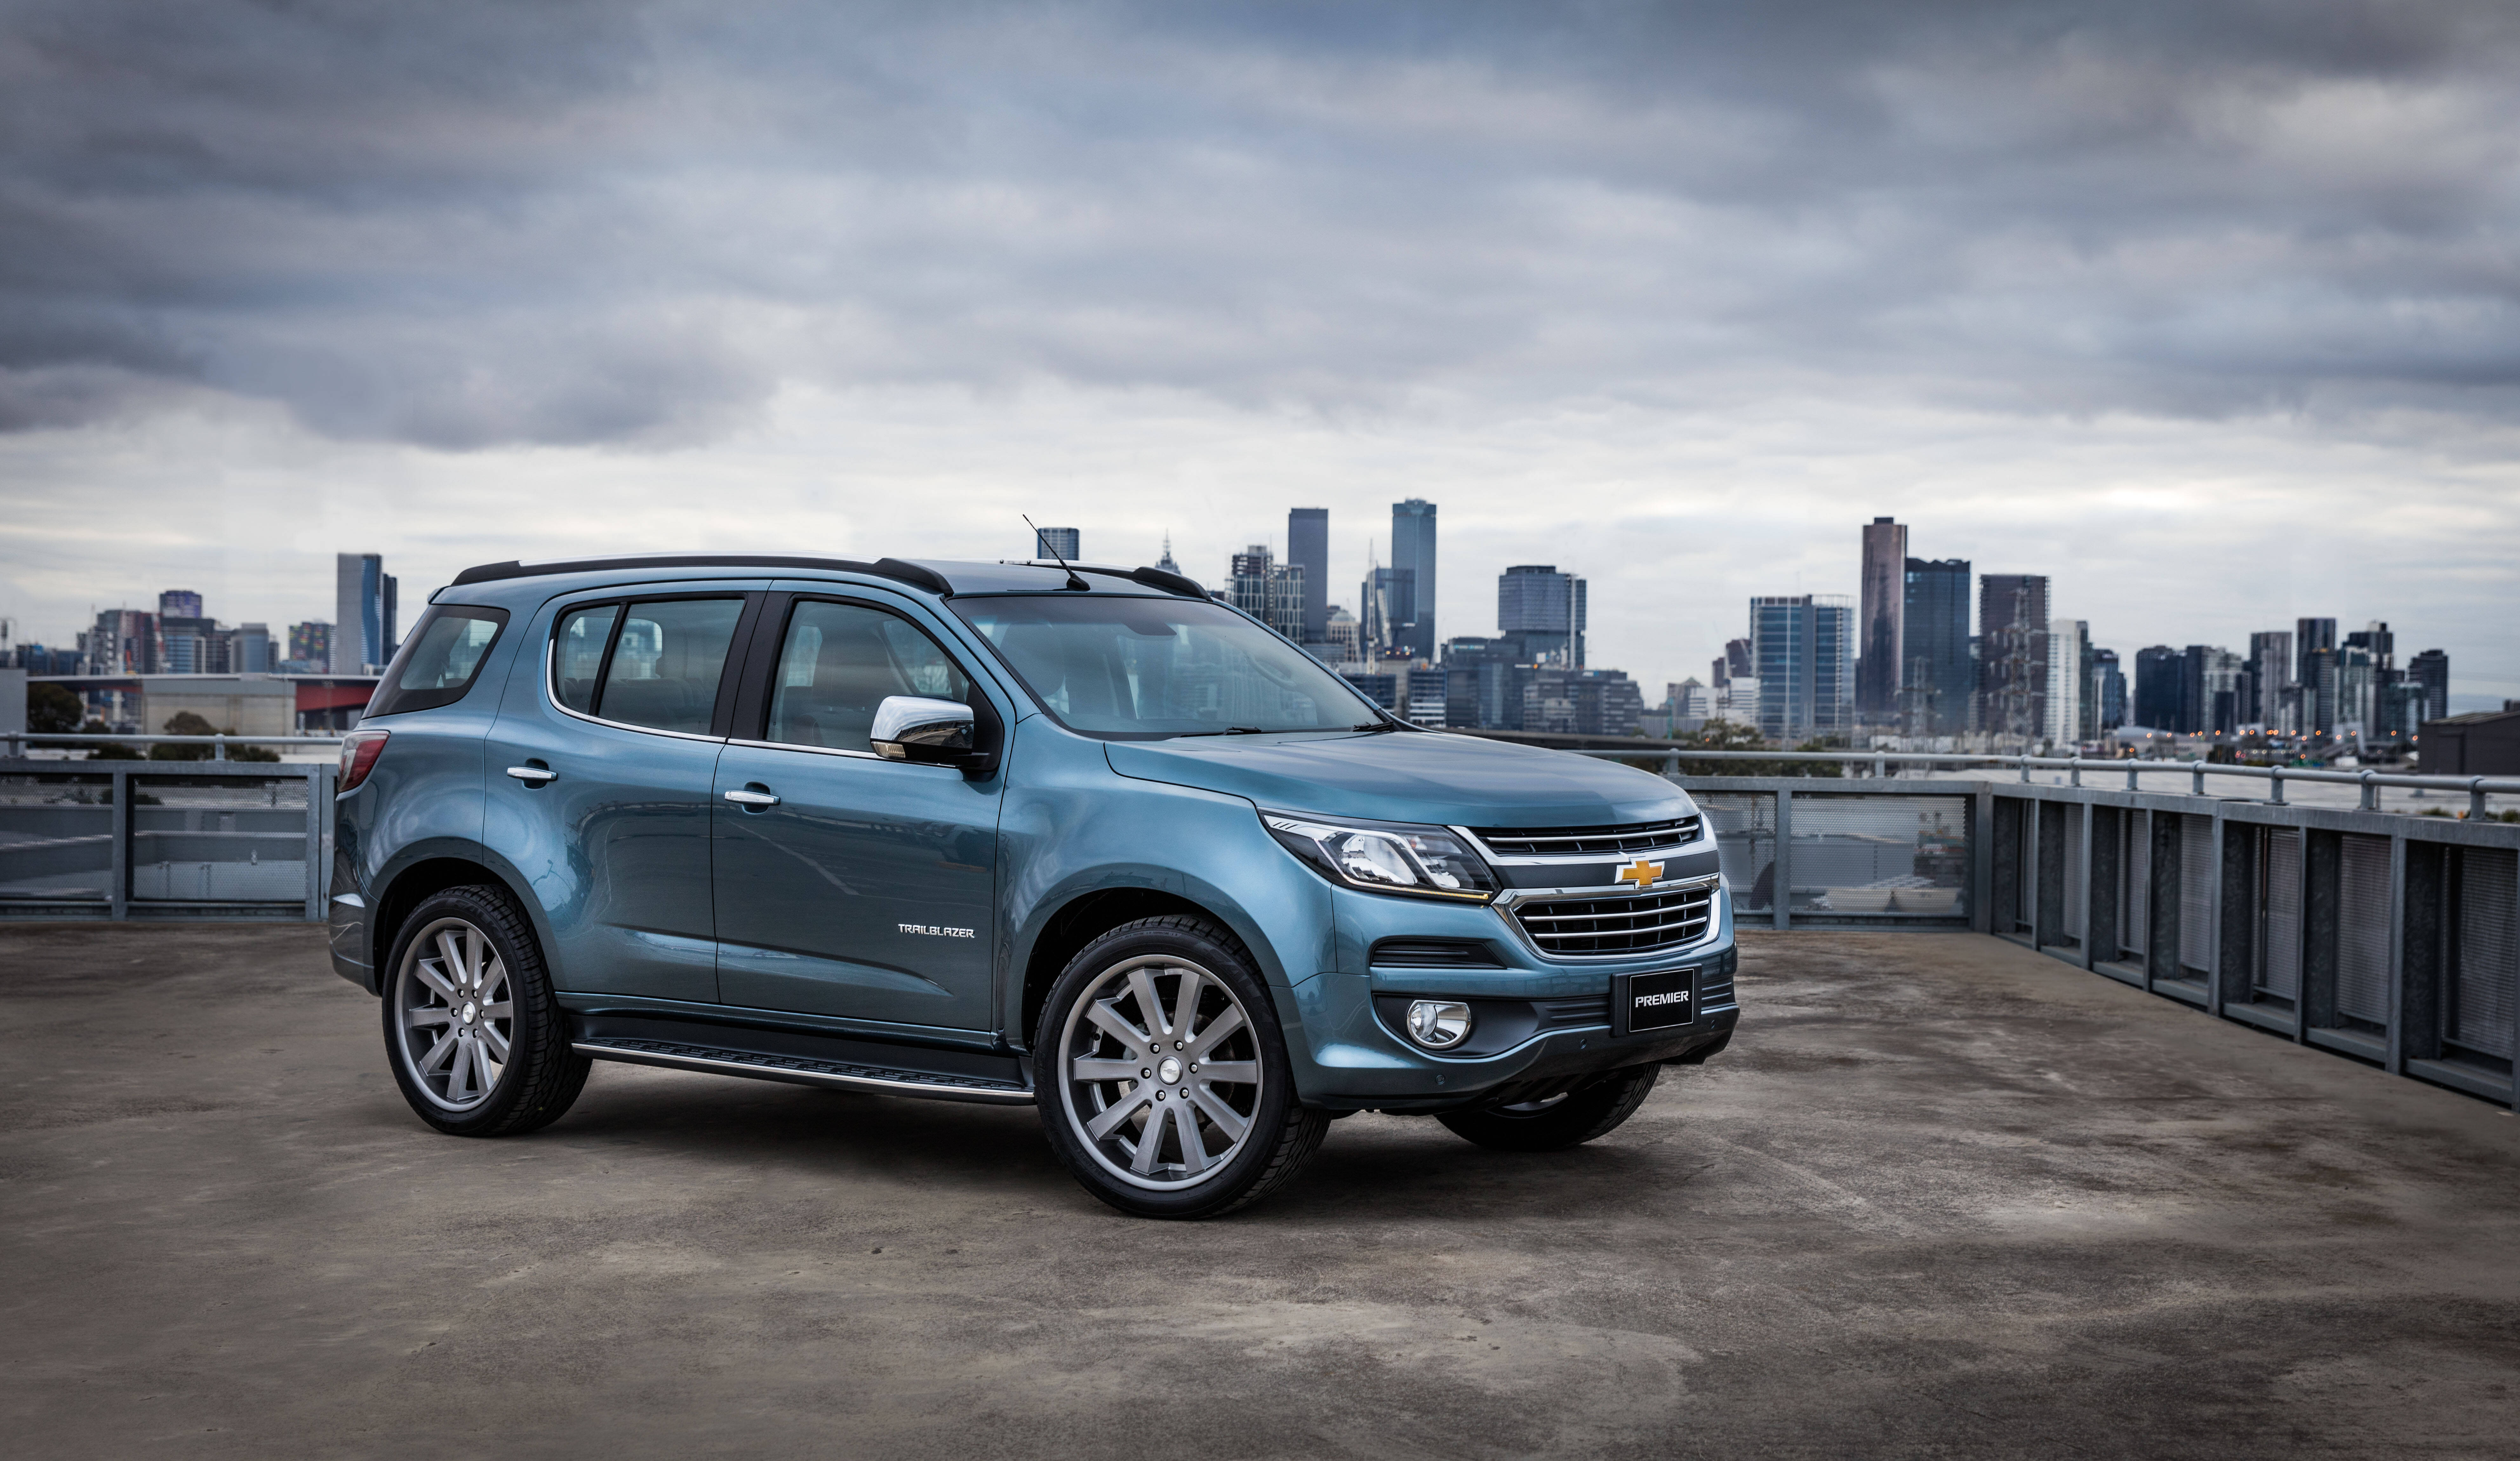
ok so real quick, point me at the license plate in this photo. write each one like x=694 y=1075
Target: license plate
x=1656 y=1002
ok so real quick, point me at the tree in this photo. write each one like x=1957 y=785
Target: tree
x=107 y=750
x=53 y=710
x=185 y=722
x=1729 y=735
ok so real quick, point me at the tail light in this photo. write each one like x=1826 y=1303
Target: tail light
x=359 y=752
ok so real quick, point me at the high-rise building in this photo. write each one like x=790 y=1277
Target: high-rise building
x=1269 y=591
x=2068 y=642
x=183 y=604
x=192 y=645
x=2159 y=673
x=310 y=644
x=2309 y=637
x=1166 y=562
x=123 y=642
x=2320 y=684
x=363 y=606
x=1413 y=553
x=1803 y=646
x=1881 y=657
x=1390 y=598
x=2271 y=678
x=2012 y=654
x=1308 y=550
x=1339 y=635
x=2431 y=670
x=249 y=649
x=1065 y=542
x=1546 y=609
x=2209 y=690
x=2108 y=690
x=1939 y=675
x=1569 y=701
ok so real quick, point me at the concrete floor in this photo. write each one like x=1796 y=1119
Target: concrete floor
x=1943 y=1197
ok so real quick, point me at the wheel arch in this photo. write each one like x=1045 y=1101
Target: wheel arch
x=433 y=868
x=1089 y=916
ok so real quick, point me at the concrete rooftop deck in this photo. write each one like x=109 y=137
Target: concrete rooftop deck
x=1943 y=1197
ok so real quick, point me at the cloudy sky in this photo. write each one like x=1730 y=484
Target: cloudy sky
x=2211 y=311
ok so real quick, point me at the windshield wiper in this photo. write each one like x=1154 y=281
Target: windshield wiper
x=1228 y=730
x=1375 y=726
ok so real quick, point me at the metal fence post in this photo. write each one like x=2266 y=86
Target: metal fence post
x=2215 y=911
x=1982 y=858
x=2397 y=1058
x=2370 y=791
x=119 y=894
x=2198 y=788
x=2090 y=883
x=2476 y=805
x=2130 y=785
x=2075 y=768
x=1782 y=870
x=316 y=870
x=2274 y=778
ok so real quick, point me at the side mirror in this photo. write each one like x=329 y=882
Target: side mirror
x=914 y=728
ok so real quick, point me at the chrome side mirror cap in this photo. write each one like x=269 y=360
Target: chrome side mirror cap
x=914 y=728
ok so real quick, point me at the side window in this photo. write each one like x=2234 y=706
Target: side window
x=665 y=664
x=438 y=663
x=577 y=655
x=838 y=663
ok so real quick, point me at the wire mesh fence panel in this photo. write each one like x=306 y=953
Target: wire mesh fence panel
x=1881 y=856
x=1745 y=842
x=2196 y=891
x=2481 y=988
x=2134 y=881
x=2362 y=929
x=2279 y=915
x=56 y=837
x=218 y=840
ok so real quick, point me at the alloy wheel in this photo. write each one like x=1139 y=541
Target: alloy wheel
x=455 y=1016
x=1160 y=1073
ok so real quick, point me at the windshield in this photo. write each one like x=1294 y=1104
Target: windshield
x=1148 y=668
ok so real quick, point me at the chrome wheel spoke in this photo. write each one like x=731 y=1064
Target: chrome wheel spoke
x=497 y=1044
x=1111 y=1120
x=502 y=1010
x=1151 y=1144
x=459 y=1074
x=1186 y=1002
x=1083 y=1069
x=438 y=1052
x=1227 y=1021
x=427 y=1015
x=433 y=975
x=494 y=982
x=1234 y=1124
x=1229 y=1072
x=1142 y=983
x=1194 y=1153
x=481 y=1066
x=1112 y=1023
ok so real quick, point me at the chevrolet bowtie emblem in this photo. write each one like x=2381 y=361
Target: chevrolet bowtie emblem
x=1640 y=872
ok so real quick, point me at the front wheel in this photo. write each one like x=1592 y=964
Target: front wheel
x=473 y=1031
x=1555 y=1122
x=1162 y=1076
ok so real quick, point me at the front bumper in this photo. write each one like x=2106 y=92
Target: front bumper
x=1537 y=1020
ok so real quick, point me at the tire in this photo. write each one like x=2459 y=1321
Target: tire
x=1124 y=1099
x=1559 y=1121
x=471 y=1062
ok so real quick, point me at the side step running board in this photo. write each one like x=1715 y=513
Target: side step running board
x=802 y=1070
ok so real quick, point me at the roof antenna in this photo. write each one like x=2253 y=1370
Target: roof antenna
x=1040 y=540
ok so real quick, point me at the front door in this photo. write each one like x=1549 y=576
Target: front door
x=602 y=766
x=866 y=888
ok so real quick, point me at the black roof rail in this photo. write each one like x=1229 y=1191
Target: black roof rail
x=1170 y=583
x=895 y=569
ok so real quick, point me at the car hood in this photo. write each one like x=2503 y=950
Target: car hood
x=1400 y=775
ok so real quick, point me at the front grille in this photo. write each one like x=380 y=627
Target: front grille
x=1545 y=842
x=1635 y=923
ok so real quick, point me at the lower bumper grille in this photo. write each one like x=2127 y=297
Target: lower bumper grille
x=1606 y=927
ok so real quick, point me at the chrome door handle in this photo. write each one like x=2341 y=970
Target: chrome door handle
x=532 y=775
x=752 y=799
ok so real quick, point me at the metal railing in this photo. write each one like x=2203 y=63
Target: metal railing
x=165 y=839
x=13 y=743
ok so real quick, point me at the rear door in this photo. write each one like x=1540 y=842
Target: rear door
x=602 y=766
x=867 y=890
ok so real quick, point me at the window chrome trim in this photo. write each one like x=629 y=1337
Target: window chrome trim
x=551 y=664
x=789 y=745
x=1712 y=882
x=1706 y=834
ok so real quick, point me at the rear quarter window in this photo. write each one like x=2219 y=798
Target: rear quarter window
x=440 y=660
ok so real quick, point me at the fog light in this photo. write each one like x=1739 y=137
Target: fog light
x=1438 y=1024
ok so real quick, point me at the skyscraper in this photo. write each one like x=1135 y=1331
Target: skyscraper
x=1308 y=550
x=2158 y=673
x=2012 y=657
x=1545 y=608
x=1058 y=542
x=2270 y=676
x=1413 y=553
x=2431 y=670
x=1270 y=593
x=2108 y=688
x=2309 y=637
x=183 y=604
x=2068 y=642
x=1803 y=646
x=1885 y=605
x=363 y=606
x=310 y=645
x=1166 y=562
x=1934 y=632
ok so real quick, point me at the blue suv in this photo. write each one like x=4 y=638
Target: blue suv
x=1075 y=837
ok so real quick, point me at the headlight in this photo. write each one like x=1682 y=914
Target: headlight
x=1384 y=857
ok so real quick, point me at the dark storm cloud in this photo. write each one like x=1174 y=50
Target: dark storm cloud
x=465 y=225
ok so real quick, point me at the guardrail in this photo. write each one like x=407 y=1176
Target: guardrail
x=165 y=839
x=13 y=743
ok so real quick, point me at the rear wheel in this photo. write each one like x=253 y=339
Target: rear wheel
x=473 y=1033
x=1557 y=1121
x=1162 y=1076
